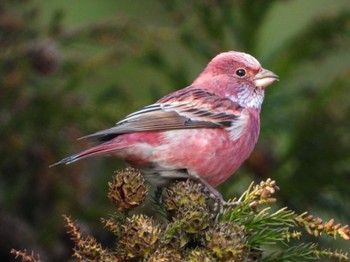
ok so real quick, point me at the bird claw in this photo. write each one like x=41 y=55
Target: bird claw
x=231 y=204
x=221 y=204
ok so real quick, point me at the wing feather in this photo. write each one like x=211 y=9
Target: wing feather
x=187 y=108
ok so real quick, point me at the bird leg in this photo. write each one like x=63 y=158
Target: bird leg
x=216 y=195
x=158 y=193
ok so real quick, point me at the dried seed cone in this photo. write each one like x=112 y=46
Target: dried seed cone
x=90 y=250
x=128 y=189
x=199 y=254
x=174 y=237
x=184 y=194
x=227 y=241
x=113 y=224
x=165 y=255
x=140 y=236
x=194 y=219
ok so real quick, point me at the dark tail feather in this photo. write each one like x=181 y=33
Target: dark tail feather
x=97 y=150
x=68 y=160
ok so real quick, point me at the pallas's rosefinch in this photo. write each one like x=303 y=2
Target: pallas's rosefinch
x=204 y=131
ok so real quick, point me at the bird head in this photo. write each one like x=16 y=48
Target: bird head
x=238 y=76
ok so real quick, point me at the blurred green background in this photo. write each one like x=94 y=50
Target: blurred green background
x=70 y=68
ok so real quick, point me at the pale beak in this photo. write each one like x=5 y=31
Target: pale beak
x=265 y=78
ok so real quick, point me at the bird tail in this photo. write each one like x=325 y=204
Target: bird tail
x=97 y=150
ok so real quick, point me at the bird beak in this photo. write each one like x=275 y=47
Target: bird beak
x=265 y=78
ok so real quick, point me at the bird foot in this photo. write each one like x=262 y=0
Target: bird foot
x=220 y=203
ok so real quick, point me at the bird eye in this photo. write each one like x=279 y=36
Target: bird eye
x=241 y=72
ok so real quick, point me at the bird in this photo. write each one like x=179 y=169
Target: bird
x=202 y=132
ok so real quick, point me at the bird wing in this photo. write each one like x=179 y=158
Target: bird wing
x=184 y=109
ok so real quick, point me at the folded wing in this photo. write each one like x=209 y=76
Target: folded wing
x=187 y=108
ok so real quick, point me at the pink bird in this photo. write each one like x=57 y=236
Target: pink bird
x=203 y=132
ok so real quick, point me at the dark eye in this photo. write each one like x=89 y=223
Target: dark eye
x=241 y=72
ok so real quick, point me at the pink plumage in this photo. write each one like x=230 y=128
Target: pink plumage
x=204 y=131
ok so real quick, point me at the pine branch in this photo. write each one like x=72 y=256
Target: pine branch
x=195 y=230
x=25 y=256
